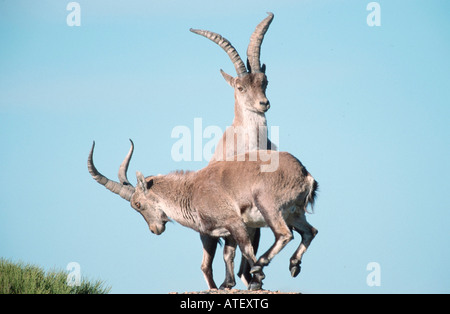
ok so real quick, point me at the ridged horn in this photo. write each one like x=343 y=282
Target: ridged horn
x=239 y=65
x=124 y=166
x=254 y=47
x=125 y=191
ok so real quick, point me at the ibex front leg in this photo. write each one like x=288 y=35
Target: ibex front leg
x=229 y=252
x=244 y=269
x=209 y=250
x=238 y=232
x=283 y=235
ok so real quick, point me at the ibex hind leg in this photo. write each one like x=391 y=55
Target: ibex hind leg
x=283 y=235
x=308 y=233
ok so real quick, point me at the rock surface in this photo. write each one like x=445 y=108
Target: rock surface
x=235 y=291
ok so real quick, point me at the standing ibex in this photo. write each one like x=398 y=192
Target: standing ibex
x=249 y=92
x=225 y=197
x=248 y=131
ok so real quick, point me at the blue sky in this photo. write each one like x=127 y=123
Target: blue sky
x=366 y=109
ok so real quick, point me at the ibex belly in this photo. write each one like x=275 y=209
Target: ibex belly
x=252 y=217
x=219 y=232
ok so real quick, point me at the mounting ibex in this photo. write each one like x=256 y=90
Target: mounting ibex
x=248 y=131
x=222 y=199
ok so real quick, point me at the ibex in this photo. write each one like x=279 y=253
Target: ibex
x=249 y=86
x=248 y=131
x=225 y=197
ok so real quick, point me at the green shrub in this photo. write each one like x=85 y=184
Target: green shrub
x=20 y=278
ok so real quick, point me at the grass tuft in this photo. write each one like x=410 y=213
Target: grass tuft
x=20 y=278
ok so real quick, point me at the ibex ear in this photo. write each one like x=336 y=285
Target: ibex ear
x=141 y=183
x=227 y=78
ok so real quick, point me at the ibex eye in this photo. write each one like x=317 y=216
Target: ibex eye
x=138 y=205
x=240 y=88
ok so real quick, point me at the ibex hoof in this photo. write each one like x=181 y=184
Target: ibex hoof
x=295 y=270
x=255 y=286
x=226 y=285
x=256 y=269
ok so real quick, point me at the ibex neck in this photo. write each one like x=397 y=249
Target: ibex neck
x=175 y=191
x=245 y=117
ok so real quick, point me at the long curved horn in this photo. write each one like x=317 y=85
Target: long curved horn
x=254 y=47
x=124 y=166
x=125 y=191
x=239 y=65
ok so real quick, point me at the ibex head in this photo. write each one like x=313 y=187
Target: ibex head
x=148 y=204
x=138 y=196
x=251 y=82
